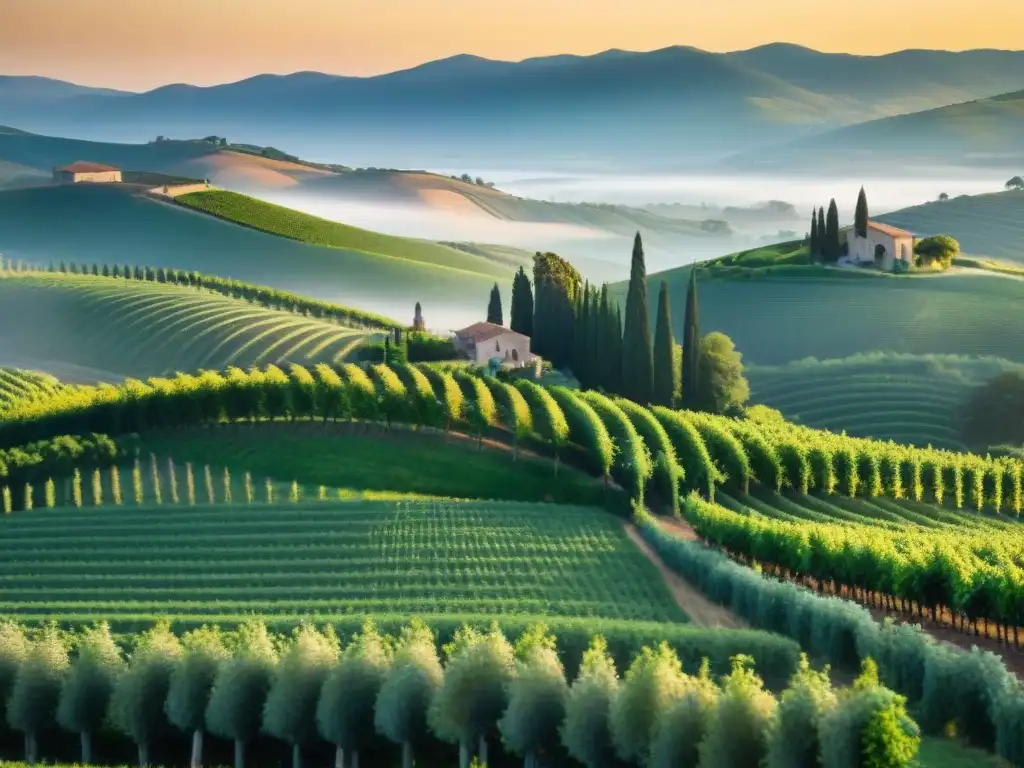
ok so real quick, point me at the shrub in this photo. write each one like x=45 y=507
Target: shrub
x=585 y=732
x=203 y=652
x=88 y=685
x=793 y=736
x=681 y=728
x=35 y=693
x=737 y=734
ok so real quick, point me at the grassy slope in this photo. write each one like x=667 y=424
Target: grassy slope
x=910 y=399
x=776 y=320
x=87 y=328
x=111 y=225
x=16 y=385
x=985 y=225
x=286 y=222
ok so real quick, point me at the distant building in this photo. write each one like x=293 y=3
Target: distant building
x=87 y=172
x=890 y=249
x=485 y=342
x=418 y=324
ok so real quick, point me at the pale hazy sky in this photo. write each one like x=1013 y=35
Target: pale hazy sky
x=139 y=44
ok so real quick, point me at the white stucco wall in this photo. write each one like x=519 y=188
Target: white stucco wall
x=862 y=249
x=501 y=346
x=105 y=177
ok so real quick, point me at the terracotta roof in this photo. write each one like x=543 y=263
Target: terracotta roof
x=478 y=332
x=84 y=167
x=891 y=231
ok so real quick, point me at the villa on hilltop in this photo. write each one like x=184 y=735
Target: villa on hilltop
x=483 y=343
x=890 y=249
x=87 y=172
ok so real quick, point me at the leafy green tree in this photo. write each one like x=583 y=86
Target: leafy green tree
x=35 y=694
x=793 y=739
x=203 y=651
x=474 y=694
x=137 y=702
x=1016 y=183
x=691 y=346
x=737 y=733
x=681 y=728
x=521 y=318
x=664 y=347
x=290 y=712
x=240 y=688
x=585 y=732
x=494 y=313
x=860 y=216
x=722 y=385
x=536 y=697
x=409 y=684
x=638 y=355
x=88 y=685
x=653 y=683
x=345 y=710
x=941 y=249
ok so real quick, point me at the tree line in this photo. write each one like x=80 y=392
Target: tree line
x=312 y=688
x=270 y=298
x=579 y=326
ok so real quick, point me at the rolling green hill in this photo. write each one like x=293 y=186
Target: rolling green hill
x=989 y=226
x=112 y=224
x=906 y=398
x=17 y=385
x=86 y=328
x=295 y=225
x=778 y=319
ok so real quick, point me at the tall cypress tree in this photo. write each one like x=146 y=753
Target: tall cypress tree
x=521 y=318
x=691 y=345
x=860 y=216
x=821 y=233
x=581 y=366
x=637 y=355
x=611 y=340
x=832 y=232
x=556 y=285
x=494 y=314
x=814 y=235
x=663 y=344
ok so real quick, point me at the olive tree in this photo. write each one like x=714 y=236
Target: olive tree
x=88 y=685
x=536 y=697
x=737 y=734
x=203 y=651
x=345 y=711
x=32 y=705
x=793 y=739
x=13 y=649
x=585 y=732
x=240 y=687
x=290 y=710
x=653 y=682
x=137 y=702
x=409 y=684
x=680 y=729
x=473 y=695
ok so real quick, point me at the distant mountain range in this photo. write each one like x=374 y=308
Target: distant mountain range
x=669 y=108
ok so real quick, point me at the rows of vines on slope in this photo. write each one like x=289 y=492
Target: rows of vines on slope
x=378 y=695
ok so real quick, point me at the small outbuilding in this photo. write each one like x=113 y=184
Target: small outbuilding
x=81 y=171
x=888 y=248
x=483 y=343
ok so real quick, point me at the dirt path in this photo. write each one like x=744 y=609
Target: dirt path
x=702 y=612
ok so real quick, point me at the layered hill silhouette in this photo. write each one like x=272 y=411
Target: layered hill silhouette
x=637 y=108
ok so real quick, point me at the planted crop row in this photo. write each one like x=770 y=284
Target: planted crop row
x=380 y=695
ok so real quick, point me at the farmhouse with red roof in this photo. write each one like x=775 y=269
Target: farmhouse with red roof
x=486 y=342
x=890 y=249
x=87 y=172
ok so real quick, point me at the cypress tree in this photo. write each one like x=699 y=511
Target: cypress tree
x=691 y=345
x=832 y=232
x=814 y=236
x=521 y=319
x=663 y=344
x=637 y=355
x=494 y=314
x=821 y=233
x=581 y=365
x=595 y=328
x=860 y=216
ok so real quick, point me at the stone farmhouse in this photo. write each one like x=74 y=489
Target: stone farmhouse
x=482 y=343
x=87 y=172
x=890 y=249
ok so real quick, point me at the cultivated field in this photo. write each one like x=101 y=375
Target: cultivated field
x=108 y=225
x=775 y=320
x=905 y=398
x=117 y=328
x=984 y=225
x=17 y=385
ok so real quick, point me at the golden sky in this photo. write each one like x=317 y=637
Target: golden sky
x=140 y=44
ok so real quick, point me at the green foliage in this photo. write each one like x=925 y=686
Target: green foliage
x=721 y=385
x=937 y=249
x=586 y=429
x=35 y=691
x=408 y=685
x=556 y=285
x=585 y=732
x=521 y=319
x=664 y=352
x=860 y=215
x=137 y=702
x=737 y=733
x=203 y=651
x=536 y=696
x=691 y=346
x=793 y=740
x=548 y=419
x=666 y=471
x=699 y=470
x=637 y=355
x=88 y=685
x=241 y=684
x=681 y=728
x=632 y=461
x=291 y=709
x=494 y=313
